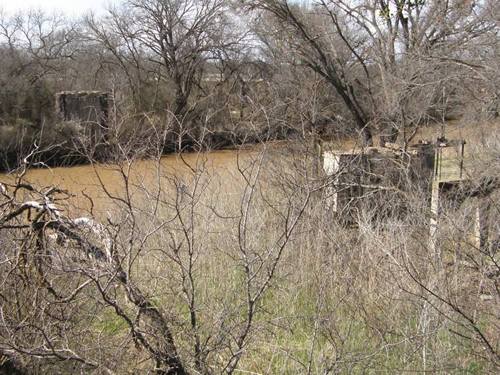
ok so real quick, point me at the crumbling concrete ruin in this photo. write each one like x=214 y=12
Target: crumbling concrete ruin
x=377 y=179
x=92 y=110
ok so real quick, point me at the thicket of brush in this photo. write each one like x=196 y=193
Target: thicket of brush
x=203 y=269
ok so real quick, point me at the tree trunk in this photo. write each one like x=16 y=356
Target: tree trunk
x=361 y=123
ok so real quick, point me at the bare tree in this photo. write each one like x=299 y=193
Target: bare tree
x=304 y=33
x=177 y=36
x=377 y=54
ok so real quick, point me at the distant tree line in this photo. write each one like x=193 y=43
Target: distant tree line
x=217 y=72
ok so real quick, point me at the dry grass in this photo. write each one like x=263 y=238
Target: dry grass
x=342 y=300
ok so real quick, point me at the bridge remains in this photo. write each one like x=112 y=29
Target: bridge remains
x=377 y=180
x=91 y=110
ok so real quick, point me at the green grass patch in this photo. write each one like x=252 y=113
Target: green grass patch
x=110 y=323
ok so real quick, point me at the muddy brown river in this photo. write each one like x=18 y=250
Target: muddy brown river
x=91 y=185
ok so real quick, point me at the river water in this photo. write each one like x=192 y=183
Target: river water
x=90 y=186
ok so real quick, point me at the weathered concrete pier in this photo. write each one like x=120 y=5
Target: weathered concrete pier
x=91 y=109
x=379 y=177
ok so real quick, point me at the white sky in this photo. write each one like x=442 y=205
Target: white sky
x=70 y=7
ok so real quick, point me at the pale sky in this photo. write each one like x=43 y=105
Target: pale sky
x=70 y=7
